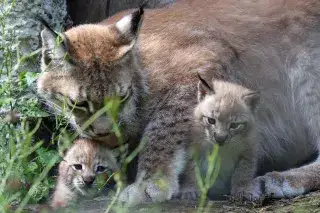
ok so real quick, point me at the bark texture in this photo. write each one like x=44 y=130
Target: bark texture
x=91 y=11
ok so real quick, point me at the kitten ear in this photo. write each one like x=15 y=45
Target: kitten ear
x=62 y=149
x=53 y=45
x=64 y=144
x=129 y=26
x=203 y=88
x=252 y=99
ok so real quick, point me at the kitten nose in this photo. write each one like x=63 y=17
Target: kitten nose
x=220 y=139
x=89 y=180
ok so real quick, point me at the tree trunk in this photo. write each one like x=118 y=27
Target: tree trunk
x=91 y=11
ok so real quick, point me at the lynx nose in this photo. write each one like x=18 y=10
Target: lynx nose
x=89 y=180
x=220 y=139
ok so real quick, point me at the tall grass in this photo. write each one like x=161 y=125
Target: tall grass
x=206 y=180
x=24 y=161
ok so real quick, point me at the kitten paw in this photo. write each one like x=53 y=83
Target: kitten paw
x=279 y=185
x=188 y=193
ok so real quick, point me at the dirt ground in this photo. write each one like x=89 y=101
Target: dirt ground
x=305 y=203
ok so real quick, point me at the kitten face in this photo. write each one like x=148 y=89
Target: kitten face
x=226 y=111
x=224 y=119
x=86 y=160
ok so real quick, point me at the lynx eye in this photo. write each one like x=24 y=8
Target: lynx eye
x=77 y=166
x=101 y=169
x=211 y=121
x=79 y=103
x=235 y=125
x=47 y=58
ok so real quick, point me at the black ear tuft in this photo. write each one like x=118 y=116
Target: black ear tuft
x=129 y=25
x=46 y=25
x=136 y=20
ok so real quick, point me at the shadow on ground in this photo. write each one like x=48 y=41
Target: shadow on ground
x=305 y=203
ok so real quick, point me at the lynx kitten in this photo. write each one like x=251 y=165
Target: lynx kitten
x=227 y=112
x=78 y=171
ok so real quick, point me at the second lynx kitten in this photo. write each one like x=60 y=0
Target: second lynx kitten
x=78 y=171
x=227 y=112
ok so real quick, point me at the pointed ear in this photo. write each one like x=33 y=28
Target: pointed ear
x=53 y=45
x=203 y=88
x=64 y=143
x=129 y=25
x=252 y=99
x=62 y=149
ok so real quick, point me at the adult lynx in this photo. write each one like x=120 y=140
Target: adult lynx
x=270 y=46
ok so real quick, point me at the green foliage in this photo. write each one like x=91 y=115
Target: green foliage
x=22 y=159
x=205 y=182
x=17 y=93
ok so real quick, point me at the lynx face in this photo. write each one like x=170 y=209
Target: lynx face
x=83 y=162
x=87 y=65
x=226 y=110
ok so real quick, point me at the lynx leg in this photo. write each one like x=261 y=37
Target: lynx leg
x=290 y=183
x=305 y=84
x=157 y=181
x=241 y=182
x=164 y=156
x=188 y=185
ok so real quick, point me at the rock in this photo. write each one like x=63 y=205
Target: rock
x=22 y=27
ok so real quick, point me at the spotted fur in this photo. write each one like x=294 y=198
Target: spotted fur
x=270 y=46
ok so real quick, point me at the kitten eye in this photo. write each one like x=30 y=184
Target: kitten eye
x=235 y=125
x=211 y=121
x=77 y=166
x=101 y=169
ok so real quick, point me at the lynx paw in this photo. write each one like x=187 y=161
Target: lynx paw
x=276 y=185
x=251 y=193
x=133 y=195
x=188 y=193
x=160 y=194
x=138 y=193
